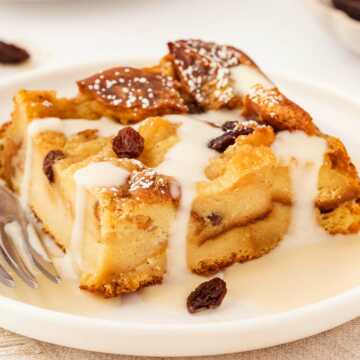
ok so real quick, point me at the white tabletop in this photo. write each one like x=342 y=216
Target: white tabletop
x=281 y=35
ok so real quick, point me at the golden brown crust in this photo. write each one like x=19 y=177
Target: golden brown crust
x=121 y=286
x=41 y=104
x=7 y=150
x=141 y=276
x=130 y=94
x=338 y=178
x=344 y=219
x=338 y=157
x=203 y=69
x=275 y=109
x=159 y=136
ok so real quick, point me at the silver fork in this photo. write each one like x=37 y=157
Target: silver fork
x=10 y=211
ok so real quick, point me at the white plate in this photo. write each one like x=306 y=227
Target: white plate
x=345 y=28
x=66 y=316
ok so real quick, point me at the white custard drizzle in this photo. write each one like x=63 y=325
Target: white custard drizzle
x=246 y=77
x=304 y=155
x=218 y=117
x=186 y=162
x=101 y=174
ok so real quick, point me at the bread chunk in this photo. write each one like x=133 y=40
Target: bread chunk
x=126 y=227
x=129 y=95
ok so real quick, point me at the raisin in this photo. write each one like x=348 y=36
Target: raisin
x=12 y=54
x=215 y=219
x=222 y=142
x=49 y=161
x=232 y=129
x=208 y=295
x=230 y=125
x=128 y=143
x=242 y=128
x=195 y=108
x=351 y=7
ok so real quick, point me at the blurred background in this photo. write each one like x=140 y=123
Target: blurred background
x=283 y=36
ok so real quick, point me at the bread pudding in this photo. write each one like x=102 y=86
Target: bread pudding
x=169 y=167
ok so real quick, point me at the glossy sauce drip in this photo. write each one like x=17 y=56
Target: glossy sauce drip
x=101 y=174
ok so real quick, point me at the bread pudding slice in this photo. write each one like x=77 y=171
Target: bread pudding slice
x=131 y=219
x=241 y=194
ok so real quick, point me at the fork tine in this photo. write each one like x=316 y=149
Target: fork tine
x=46 y=267
x=14 y=259
x=42 y=262
x=6 y=278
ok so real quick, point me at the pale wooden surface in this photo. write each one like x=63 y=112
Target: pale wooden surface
x=341 y=343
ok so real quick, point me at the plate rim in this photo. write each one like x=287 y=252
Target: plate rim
x=337 y=303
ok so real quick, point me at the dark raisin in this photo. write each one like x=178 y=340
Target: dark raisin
x=245 y=130
x=207 y=295
x=49 y=161
x=351 y=7
x=215 y=219
x=12 y=54
x=240 y=128
x=326 y=210
x=222 y=142
x=195 y=108
x=230 y=125
x=128 y=143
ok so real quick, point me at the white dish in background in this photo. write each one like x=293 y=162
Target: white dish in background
x=286 y=312
x=346 y=29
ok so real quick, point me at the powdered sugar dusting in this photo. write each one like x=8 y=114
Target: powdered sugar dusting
x=202 y=64
x=100 y=174
x=134 y=89
x=269 y=97
x=147 y=179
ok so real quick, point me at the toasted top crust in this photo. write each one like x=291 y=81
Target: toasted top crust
x=203 y=68
x=275 y=109
x=144 y=92
x=204 y=71
x=194 y=76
